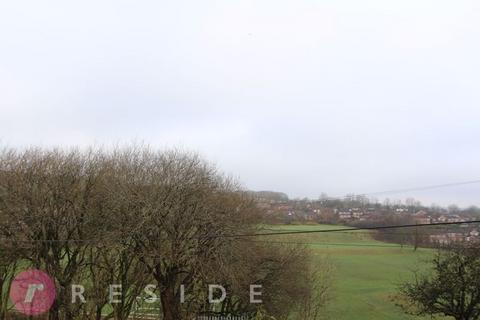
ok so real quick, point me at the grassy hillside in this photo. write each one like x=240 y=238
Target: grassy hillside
x=367 y=271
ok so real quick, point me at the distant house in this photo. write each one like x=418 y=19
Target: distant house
x=451 y=218
x=442 y=218
x=454 y=218
x=448 y=238
x=357 y=214
x=420 y=213
x=345 y=215
x=421 y=217
x=452 y=237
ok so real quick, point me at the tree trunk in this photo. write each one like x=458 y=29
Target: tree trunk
x=170 y=305
x=98 y=315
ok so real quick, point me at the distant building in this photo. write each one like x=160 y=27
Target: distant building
x=451 y=218
x=357 y=214
x=452 y=237
x=345 y=215
x=421 y=217
x=447 y=238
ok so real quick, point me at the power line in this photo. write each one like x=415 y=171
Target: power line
x=338 y=230
x=353 y=229
x=421 y=188
x=360 y=232
x=438 y=186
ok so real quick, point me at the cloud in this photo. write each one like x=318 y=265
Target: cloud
x=303 y=97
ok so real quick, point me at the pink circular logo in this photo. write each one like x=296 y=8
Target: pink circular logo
x=32 y=292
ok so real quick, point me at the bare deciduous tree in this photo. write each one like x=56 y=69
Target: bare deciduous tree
x=8 y=265
x=48 y=200
x=130 y=216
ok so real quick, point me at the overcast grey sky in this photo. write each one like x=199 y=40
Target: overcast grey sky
x=297 y=96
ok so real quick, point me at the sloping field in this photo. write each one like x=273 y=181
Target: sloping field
x=366 y=271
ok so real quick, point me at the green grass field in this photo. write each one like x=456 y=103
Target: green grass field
x=367 y=271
